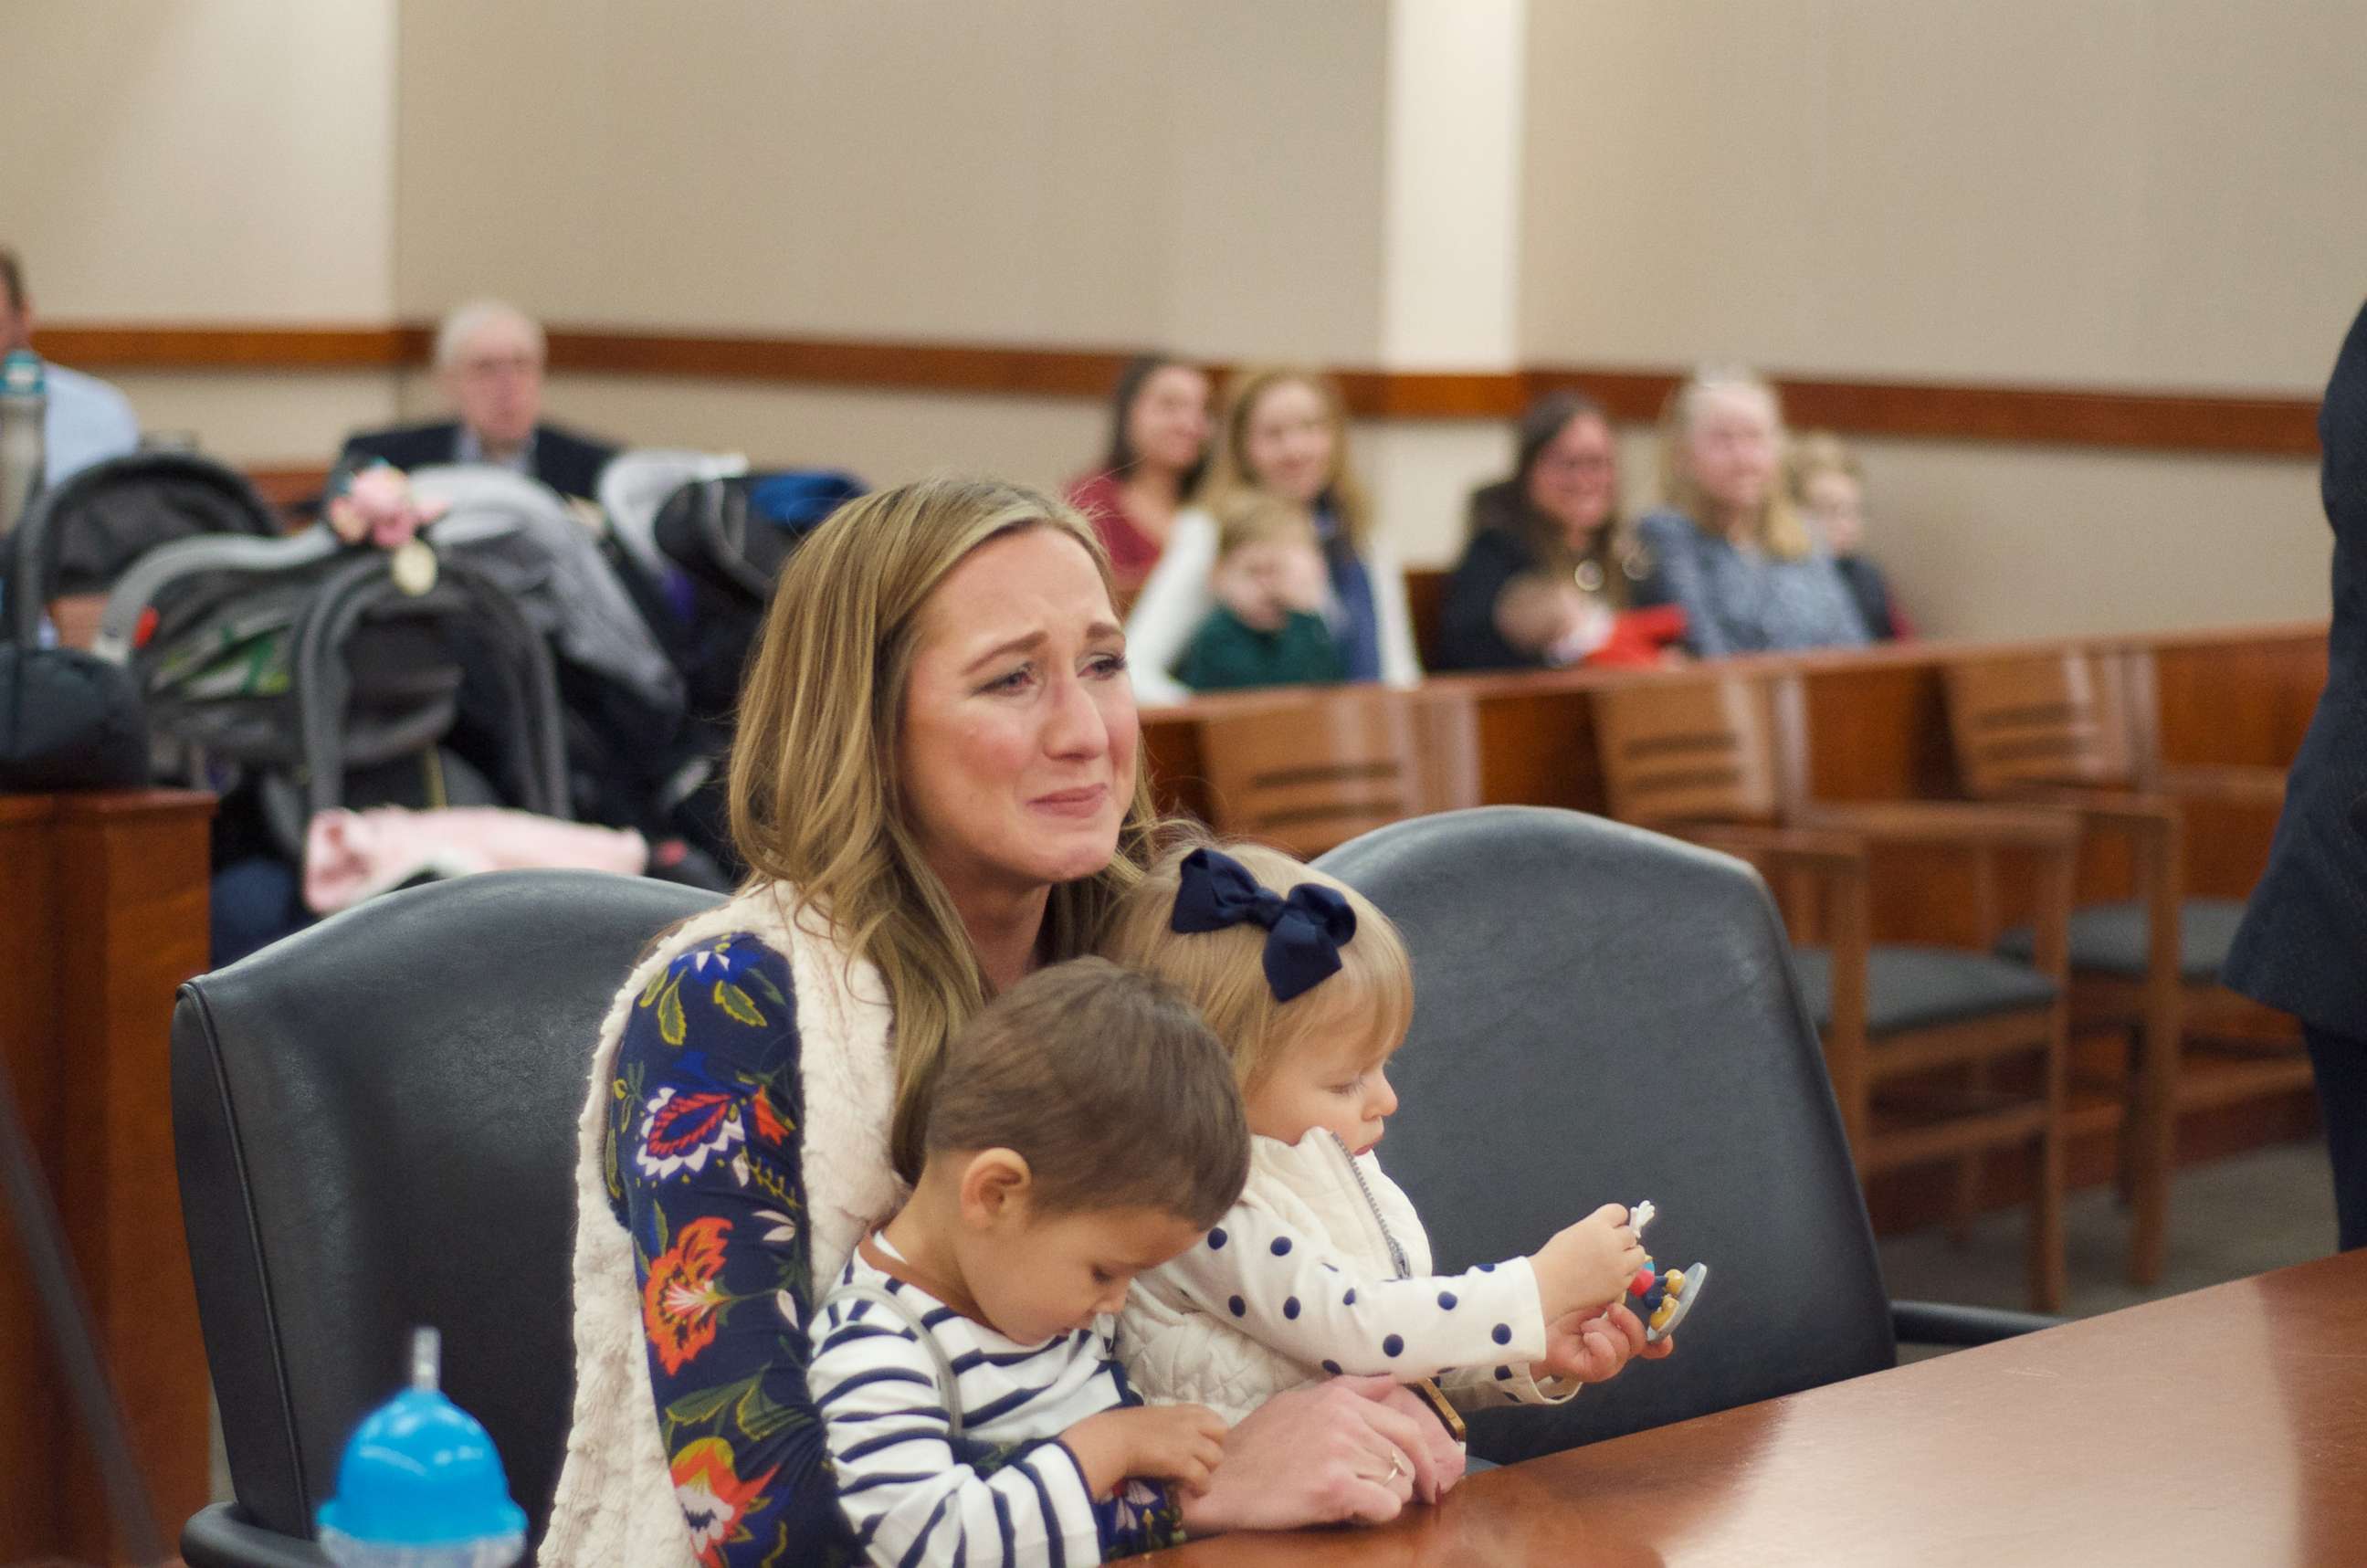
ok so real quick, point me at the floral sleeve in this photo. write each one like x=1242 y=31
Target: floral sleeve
x=704 y=1168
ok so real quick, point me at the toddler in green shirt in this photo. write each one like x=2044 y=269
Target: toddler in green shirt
x=1270 y=586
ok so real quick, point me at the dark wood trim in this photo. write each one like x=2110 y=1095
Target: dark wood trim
x=920 y=366
x=335 y=346
x=2159 y=421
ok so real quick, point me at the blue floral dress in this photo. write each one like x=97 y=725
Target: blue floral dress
x=703 y=1170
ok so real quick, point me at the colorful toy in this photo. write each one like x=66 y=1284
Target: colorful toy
x=1661 y=1298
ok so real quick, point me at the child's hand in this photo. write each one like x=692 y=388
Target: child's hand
x=1588 y=1264
x=1302 y=582
x=1181 y=1443
x=1592 y=1347
x=1249 y=592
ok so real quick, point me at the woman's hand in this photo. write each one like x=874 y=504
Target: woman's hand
x=1438 y=1463
x=1314 y=1456
x=1592 y=1347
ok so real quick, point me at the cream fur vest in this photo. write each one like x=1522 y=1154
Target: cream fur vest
x=616 y=1502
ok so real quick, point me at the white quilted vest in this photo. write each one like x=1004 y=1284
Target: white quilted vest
x=616 y=1502
x=1177 y=1353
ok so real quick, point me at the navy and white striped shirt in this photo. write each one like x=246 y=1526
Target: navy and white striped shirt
x=1006 y=1491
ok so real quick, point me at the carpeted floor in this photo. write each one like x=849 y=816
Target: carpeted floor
x=2231 y=1218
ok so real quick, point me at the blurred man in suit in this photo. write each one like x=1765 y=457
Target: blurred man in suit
x=2303 y=946
x=489 y=359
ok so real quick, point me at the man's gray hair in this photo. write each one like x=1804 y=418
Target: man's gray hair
x=465 y=322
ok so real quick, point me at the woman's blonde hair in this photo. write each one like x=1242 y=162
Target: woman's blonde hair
x=1782 y=534
x=816 y=796
x=1223 y=973
x=1229 y=474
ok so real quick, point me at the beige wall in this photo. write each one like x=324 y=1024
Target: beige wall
x=2127 y=193
x=2117 y=192
x=225 y=161
x=175 y=161
x=1045 y=171
x=2148 y=193
x=1986 y=540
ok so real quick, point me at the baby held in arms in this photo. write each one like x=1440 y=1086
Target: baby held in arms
x=1321 y=1267
x=1081 y=1129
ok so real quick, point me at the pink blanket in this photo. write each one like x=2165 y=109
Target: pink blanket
x=351 y=856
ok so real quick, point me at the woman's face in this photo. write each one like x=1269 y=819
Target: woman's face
x=1167 y=425
x=1019 y=737
x=1287 y=441
x=1575 y=478
x=1730 y=448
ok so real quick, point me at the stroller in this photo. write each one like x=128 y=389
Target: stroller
x=728 y=537
x=620 y=695
x=296 y=675
x=725 y=537
x=83 y=534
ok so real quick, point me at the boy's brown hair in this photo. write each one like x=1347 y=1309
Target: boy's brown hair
x=1223 y=973
x=1108 y=1085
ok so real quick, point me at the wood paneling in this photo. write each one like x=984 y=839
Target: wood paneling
x=31 y=1394
x=2169 y=420
x=105 y=917
x=322 y=346
x=2067 y=1447
x=913 y=367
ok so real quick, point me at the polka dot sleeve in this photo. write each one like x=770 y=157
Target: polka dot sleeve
x=1282 y=1290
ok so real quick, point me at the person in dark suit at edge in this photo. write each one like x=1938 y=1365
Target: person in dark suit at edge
x=2303 y=946
x=489 y=359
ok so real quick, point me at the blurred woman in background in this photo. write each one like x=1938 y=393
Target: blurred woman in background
x=1545 y=570
x=1158 y=451
x=1727 y=546
x=1282 y=431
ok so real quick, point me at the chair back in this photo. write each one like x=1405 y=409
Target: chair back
x=2057 y=718
x=375 y=1128
x=1315 y=770
x=1700 y=747
x=1604 y=1014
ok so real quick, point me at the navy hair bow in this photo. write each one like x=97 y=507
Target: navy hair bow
x=1303 y=931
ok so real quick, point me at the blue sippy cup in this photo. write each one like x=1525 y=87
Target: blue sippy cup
x=420 y=1485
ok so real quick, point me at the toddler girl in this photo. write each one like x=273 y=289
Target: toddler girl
x=1321 y=1267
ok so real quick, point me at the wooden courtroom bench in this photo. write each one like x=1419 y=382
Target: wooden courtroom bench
x=103 y=915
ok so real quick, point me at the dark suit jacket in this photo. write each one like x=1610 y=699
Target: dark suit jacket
x=2303 y=946
x=569 y=463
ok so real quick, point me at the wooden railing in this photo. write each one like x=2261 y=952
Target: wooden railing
x=2164 y=419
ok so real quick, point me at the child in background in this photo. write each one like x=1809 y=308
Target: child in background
x=1830 y=489
x=1322 y=1268
x=1268 y=627
x=1082 y=1129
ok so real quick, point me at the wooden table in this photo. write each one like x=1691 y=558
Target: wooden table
x=2226 y=1426
x=102 y=915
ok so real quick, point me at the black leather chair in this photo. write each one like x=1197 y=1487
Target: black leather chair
x=1604 y=1014
x=375 y=1128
